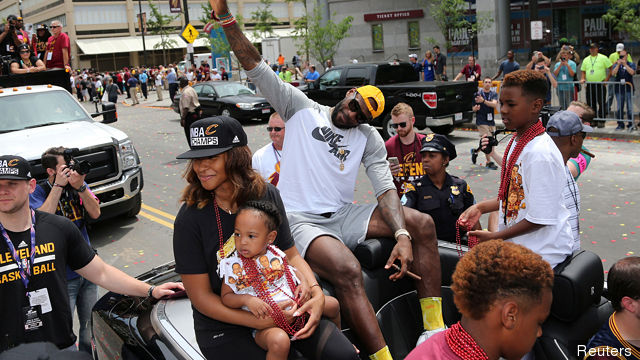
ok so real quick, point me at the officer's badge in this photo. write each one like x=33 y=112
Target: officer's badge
x=409 y=187
x=469 y=189
x=455 y=190
x=429 y=137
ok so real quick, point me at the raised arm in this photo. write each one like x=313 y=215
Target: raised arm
x=246 y=53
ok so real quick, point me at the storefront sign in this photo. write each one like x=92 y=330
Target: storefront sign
x=536 y=30
x=594 y=28
x=394 y=15
x=175 y=6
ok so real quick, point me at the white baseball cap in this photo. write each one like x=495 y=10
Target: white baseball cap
x=619 y=47
x=415 y=56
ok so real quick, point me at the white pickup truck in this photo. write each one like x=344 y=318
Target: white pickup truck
x=35 y=118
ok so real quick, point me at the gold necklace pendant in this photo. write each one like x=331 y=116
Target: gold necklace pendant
x=341 y=166
x=341 y=152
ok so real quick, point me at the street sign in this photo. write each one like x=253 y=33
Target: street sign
x=190 y=34
x=536 y=30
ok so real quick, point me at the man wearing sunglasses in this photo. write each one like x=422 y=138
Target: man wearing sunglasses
x=267 y=160
x=403 y=149
x=58 y=53
x=321 y=157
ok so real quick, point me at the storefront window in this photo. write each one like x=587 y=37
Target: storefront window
x=414 y=35
x=377 y=38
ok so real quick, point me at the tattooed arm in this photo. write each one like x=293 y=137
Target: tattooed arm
x=246 y=53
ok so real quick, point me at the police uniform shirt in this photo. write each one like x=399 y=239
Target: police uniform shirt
x=444 y=205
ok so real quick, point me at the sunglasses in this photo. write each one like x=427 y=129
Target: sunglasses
x=276 y=129
x=354 y=106
x=400 y=124
x=24 y=51
x=55 y=26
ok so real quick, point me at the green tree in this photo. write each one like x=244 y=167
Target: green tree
x=158 y=24
x=217 y=44
x=624 y=15
x=263 y=19
x=451 y=15
x=301 y=28
x=321 y=42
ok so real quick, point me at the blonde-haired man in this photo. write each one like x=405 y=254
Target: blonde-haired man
x=403 y=149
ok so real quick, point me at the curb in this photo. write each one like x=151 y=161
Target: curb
x=597 y=133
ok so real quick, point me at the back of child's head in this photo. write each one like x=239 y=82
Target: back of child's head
x=496 y=270
x=532 y=83
x=267 y=210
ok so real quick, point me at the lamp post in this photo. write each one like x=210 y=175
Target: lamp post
x=185 y=6
x=144 y=45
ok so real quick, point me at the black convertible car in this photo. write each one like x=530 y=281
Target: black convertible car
x=133 y=328
x=230 y=99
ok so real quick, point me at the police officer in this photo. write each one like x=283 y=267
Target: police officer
x=437 y=193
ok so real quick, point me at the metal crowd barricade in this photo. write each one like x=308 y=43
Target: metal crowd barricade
x=596 y=95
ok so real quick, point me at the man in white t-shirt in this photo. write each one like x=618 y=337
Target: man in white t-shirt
x=321 y=157
x=215 y=76
x=159 y=84
x=568 y=132
x=267 y=160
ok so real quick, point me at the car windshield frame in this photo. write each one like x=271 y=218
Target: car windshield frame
x=51 y=107
x=221 y=89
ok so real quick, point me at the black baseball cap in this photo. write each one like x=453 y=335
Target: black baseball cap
x=14 y=167
x=212 y=136
x=438 y=143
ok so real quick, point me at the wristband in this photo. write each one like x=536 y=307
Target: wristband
x=58 y=185
x=82 y=188
x=150 y=291
x=316 y=284
x=402 y=232
x=225 y=20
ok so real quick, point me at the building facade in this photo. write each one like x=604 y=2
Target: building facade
x=109 y=31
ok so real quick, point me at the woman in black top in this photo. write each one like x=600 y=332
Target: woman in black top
x=26 y=63
x=220 y=179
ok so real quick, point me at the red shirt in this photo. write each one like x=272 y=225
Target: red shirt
x=435 y=348
x=410 y=161
x=55 y=46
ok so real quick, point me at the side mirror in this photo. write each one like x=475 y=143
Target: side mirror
x=212 y=96
x=109 y=113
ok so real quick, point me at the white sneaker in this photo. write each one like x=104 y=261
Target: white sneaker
x=429 y=333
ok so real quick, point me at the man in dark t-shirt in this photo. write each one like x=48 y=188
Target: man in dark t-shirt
x=403 y=149
x=35 y=305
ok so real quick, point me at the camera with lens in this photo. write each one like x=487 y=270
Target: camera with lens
x=81 y=167
x=12 y=27
x=493 y=141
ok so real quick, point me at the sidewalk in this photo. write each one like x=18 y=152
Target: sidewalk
x=607 y=132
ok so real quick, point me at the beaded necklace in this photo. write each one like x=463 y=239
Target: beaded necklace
x=471 y=240
x=259 y=283
x=509 y=161
x=462 y=344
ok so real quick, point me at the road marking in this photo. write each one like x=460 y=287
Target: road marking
x=159 y=212
x=156 y=219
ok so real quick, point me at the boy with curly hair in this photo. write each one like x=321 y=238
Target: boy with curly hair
x=531 y=208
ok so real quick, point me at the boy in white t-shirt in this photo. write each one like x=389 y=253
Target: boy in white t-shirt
x=532 y=210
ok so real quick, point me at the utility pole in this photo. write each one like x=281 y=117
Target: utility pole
x=185 y=6
x=144 y=45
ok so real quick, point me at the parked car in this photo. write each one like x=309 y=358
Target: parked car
x=229 y=98
x=38 y=117
x=439 y=105
x=134 y=328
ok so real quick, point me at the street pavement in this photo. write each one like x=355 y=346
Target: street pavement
x=609 y=190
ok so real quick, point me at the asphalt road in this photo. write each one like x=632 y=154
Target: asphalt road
x=609 y=193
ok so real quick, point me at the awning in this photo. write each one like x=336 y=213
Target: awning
x=134 y=43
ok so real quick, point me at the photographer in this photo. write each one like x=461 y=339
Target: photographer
x=65 y=193
x=26 y=63
x=9 y=38
x=486 y=101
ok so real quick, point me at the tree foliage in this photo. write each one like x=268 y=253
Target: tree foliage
x=263 y=19
x=321 y=42
x=624 y=15
x=218 y=44
x=158 y=24
x=453 y=15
